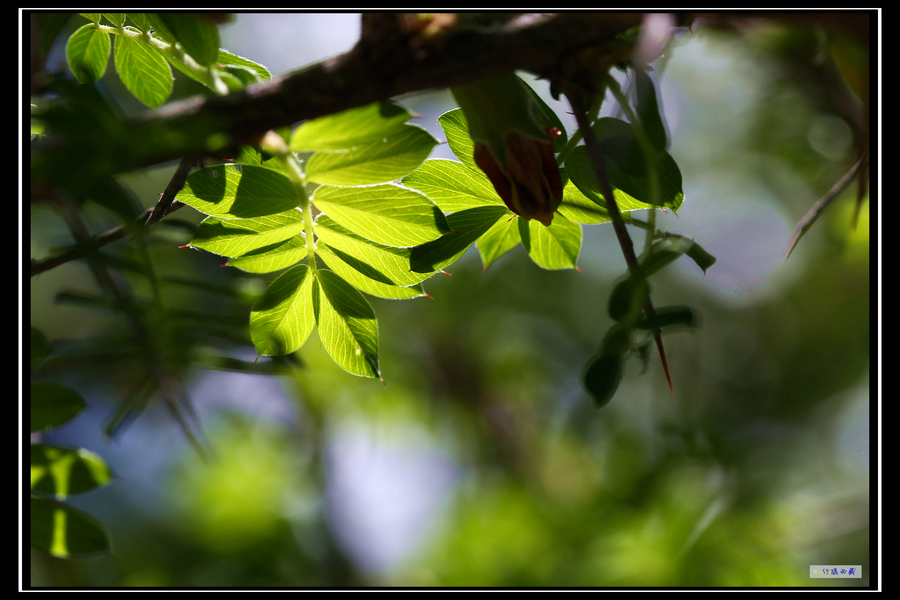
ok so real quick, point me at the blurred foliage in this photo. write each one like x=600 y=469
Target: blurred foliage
x=744 y=479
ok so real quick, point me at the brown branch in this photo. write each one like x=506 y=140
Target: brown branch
x=384 y=64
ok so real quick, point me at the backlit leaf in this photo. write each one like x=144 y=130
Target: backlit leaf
x=237 y=237
x=394 y=155
x=452 y=185
x=87 y=52
x=346 y=325
x=281 y=321
x=143 y=70
x=468 y=226
x=239 y=192
x=553 y=247
x=64 y=471
x=351 y=128
x=387 y=214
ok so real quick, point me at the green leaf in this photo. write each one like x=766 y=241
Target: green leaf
x=238 y=237
x=143 y=70
x=350 y=128
x=502 y=237
x=456 y=130
x=239 y=192
x=273 y=257
x=385 y=264
x=452 y=185
x=670 y=316
x=349 y=269
x=227 y=59
x=387 y=214
x=467 y=225
x=87 y=52
x=346 y=324
x=116 y=19
x=579 y=208
x=626 y=169
x=547 y=117
x=553 y=247
x=648 y=110
x=601 y=378
x=65 y=471
x=53 y=404
x=393 y=156
x=663 y=253
x=198 y=35
x=282 y=319
x=628 y=298
x=65 y=532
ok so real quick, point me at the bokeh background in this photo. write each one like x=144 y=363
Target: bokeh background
x=481 y=462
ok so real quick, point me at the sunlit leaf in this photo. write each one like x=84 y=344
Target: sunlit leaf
x=387 y=214
x=65 y=532
x=237 y=237
x=385 y=264
x=239 y=192
x=53 y=404
x=456 y=130
x=452 y=185
x=273 y=257
x=393 y=156
x=281 y=321
x=346 y=324
x=64 y=471
x=87 y=52
x=502 y=237
x=351 y=128
x=143 y=70
x=468 y=226
x=341 y=264
x=553 y=247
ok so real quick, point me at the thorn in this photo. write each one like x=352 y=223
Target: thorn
x=662 y=355
x=427 y=296
x=185 y=246
x=383 y=383
x=256 y=359
x=445 y=272
x=224 y=265
x=577 y=270
x=416 y=115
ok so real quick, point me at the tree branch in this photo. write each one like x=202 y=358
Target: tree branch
x=388 y=61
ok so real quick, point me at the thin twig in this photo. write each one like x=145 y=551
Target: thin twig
x=166 y=205
x=813 y=214
x=597 y=161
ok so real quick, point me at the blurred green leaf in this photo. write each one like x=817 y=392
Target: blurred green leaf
x=40 y=347
x=65 y=532
x=53 y=404
x=64 y=471
x=197 y=34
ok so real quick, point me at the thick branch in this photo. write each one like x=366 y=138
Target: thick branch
x=385 y=63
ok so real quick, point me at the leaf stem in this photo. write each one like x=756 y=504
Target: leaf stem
x=276 y=146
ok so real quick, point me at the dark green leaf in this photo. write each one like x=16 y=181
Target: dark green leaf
x=53 y=404
x=197 y=34
x=670 y=316
x=239 y=192
x=65 y=532
x=648 y=110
